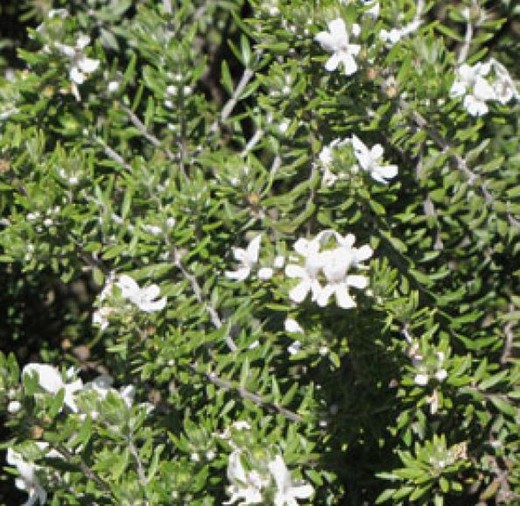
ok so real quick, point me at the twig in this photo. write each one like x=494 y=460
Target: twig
x=87 y=471
x=144 y=131
x=233 y=101
x=509 y=339
x=113 y=154
x=197 y=290
x=252 y=142
x=463 y=54
x=246 y=394
x=140 y=469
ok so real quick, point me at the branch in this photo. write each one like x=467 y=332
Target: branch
x=87 y=471
x=246 y=394
x=140 y=469
x=461 y=164
x=233 y=101
x=113 y=154
x=509 y=339
x=467 y=37
x=197 y=290
x=144 y=131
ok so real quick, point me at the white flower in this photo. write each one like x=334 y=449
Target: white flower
x=291 y=325
x=50 y=380
x=113 y=86
x=14 y=406
x=28 y=481
x=265 y=273
x=241 y=425
x=336 y=264
x=100 y=317
x=337 y=42
x=441 y=375
x=248 y=258
x=246 y=485
x=421 y=379
x=503 y=85
x=144 y=298
x=370 y=161
x=326 y=158
x=393 y=36
x=294 y=347
x=153 y=229
x=470 y=81
x=307 y=274
x=332 y=264
x=279 y=262
x=287 y=493
x=102 y=385
x=81 y=66
x=433 y=401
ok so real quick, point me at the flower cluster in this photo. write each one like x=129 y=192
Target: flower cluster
x=51 y=381
x=482 y=83
x=252 y=485
x=370 y=160
x=80 y=66
x=28 y=480
x=325 y=270
x=146 y=299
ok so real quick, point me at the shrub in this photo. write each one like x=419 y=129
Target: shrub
x=262 y=252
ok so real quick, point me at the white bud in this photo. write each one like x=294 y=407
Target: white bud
x=421 y=379
x=14 y=406
x=265 y=273
x=291 y=325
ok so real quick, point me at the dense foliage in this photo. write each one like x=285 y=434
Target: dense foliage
x=260 y=252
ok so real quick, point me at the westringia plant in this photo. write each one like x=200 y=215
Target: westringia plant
x=261 y=252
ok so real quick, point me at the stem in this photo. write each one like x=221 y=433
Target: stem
x=197 y=290
x=246 y=394
x=113 y=154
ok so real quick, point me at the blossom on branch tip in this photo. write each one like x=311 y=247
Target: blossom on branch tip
x=370 y=161
x=471 y=82
x=337 y=42
x=144 y=298
x=326 y=271
x=50 y=380
x=248 y=258
x=336 y=264
x=245 y=484
x=80 y=65
x=28 y=480
x=326 y=158
x=287 y=492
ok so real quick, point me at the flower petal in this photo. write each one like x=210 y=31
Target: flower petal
x=363 y=253
x=333 y=62
x=343 y=298
x=323 y=297
x=300 y=291
x=357 y=281
x=326 y=40
x=253 y=249
x=349 y=64
x=88 y=65
x=239 y=275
